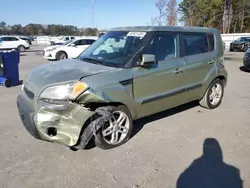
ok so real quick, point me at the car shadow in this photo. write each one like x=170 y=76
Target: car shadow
x=140 y=123
x=210 y=170
x=243 y=69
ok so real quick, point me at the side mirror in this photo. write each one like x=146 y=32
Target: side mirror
x=148 y=60
x=73 y=45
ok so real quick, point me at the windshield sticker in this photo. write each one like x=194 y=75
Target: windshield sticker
x=136 y=34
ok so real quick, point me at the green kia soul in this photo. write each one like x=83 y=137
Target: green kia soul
x=127 y=74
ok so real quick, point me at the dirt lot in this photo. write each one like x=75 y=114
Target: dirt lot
x=164 y=146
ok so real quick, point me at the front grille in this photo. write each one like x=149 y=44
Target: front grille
x=29 y=93
x=235 y=45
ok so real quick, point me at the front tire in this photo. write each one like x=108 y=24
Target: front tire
x=61 y=55
x=214 y=95
x=117 y=130
x=245 y=48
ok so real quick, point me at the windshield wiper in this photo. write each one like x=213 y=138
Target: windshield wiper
x=92 y=60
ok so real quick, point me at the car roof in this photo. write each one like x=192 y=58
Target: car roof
x=164 y=28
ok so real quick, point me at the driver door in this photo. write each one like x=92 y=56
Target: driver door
x=77 y=48
x=159 y=87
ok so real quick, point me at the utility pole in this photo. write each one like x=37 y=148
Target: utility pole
x=93 y=14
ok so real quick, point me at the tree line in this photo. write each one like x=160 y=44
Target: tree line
x=229 y=16
x=39 y=29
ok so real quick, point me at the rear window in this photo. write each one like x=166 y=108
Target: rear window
x=194 y=43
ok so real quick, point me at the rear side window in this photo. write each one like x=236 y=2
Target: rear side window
x=193 y=44
x=211 y=41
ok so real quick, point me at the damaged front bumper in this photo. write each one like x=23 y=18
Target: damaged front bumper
x=61 y=125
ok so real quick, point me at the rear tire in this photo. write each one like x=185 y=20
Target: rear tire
x=21 y=48
x=122 y=132
x=214 y=95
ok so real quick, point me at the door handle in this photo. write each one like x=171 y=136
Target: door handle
x=211 y=62
x=178 y=71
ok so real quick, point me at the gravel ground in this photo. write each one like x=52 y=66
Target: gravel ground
x=164 y=145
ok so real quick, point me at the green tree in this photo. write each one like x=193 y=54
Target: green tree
x=193 y=11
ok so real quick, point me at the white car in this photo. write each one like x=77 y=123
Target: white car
x=13 y=42
x=70 y=49
x=62 y=40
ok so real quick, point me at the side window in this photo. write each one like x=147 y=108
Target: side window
x=67 y=38
x=194 y=44
x=163 y=46
x=90 y=42
x=77 y=43
x=72 y=38
x=83 y=42
x=5 y=39
x=13 y=39
x=211 y=41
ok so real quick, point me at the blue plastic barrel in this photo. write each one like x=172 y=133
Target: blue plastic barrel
x=10 y=68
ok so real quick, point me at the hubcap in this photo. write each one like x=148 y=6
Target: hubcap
x=116 y=129
x=21 y=49
x=216 y=94
x=62 y=56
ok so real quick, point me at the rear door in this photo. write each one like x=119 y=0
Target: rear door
x=199 y=60
x=15 y=42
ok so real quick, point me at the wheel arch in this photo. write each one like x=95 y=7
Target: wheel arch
x=92 y=107
x=223 y=78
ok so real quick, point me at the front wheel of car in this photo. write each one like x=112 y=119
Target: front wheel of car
x=61 y=55
x=245 y=48
x=117 y=130
x=214 y=94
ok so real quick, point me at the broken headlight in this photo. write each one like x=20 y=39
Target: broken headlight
x=63 y=92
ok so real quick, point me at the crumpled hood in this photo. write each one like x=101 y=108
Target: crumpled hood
x=61 y=71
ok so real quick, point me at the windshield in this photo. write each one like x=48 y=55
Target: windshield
x=67 y=42
x=243 y=39
x=115 y=48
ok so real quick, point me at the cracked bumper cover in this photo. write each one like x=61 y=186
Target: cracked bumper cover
x=68 y=122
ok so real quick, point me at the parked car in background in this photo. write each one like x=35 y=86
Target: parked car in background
x=99 y=95
x=26 y=39
x=70 y=49
x=61 y=40
x=240 y=44
x=13 y=42
x=101 y=34
x=246 y=60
